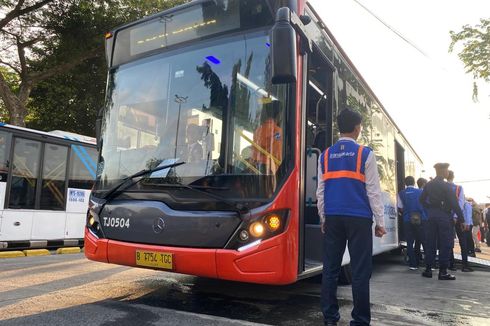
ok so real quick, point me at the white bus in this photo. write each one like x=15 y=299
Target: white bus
x=45 y=183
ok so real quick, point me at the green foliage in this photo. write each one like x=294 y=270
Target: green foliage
x=13 y=81
x=475 y=53
x=64 y=64
x=70 y=101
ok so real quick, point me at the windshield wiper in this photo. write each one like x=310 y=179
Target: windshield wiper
x=238 y=207
x=141 y=173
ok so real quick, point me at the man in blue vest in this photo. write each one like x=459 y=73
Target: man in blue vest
x=440 y=201
x=462 y=230
x=414 y=219
x=348 y=195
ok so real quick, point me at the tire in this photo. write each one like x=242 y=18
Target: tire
x=406 y=259
x=345 y=277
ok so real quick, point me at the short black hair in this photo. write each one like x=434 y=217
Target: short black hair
x=421 y=182
x=450 y=175
x=347 y=120
x=409 y=181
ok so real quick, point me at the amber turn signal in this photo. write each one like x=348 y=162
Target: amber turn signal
x=273 y=222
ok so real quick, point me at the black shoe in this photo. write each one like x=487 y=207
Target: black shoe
x=452 y=268
x=447 y=277
x=467 y=269
x=471 y=254
x=477 y=250
x=427 y=273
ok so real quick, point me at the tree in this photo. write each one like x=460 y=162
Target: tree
x=475 y=53
x=23 y=37
x=42 y=41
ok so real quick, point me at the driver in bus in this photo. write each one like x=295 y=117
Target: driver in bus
x=268 y=139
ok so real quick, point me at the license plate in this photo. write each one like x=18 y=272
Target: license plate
x=154 y=259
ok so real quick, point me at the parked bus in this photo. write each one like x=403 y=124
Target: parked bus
x=45 y=182
x=216 y=114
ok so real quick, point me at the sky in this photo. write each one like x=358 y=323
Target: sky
x=429 y=96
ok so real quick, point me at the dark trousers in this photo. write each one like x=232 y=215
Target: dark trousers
x=463 y=238
x=358 y=234
x=414 y=234
x=440 y=234
x=470 y=243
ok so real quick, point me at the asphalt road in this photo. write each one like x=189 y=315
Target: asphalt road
x=70 y=290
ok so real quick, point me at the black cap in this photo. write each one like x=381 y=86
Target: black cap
x=441 y=166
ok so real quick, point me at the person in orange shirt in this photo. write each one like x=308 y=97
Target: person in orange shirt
x=268 y=141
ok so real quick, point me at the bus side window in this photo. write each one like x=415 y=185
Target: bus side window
x=83 y=166
x=25 y=173
x=53 y=177
x=4 y=155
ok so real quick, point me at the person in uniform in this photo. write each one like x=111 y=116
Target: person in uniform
x=476 y=219
x=348 y=194
x=462 y=230
x=440 y=201
x=414 y=220
x=421 y=182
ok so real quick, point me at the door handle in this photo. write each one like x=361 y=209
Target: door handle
x=17 y=223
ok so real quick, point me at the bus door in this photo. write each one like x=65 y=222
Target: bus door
x=400 y=181
x=318 y=136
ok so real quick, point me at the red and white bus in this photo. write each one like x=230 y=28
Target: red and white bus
x=216 y=113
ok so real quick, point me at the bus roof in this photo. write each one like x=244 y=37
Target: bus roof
x=55 y=133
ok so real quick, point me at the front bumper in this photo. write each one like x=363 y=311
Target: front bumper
x=273 y=261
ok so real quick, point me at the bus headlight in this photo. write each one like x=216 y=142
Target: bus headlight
x=258 y=228
x=244 y=235
x=93 y=223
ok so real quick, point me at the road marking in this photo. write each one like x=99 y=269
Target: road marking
x=32 y=269
x=38 y=279
x=121 y=284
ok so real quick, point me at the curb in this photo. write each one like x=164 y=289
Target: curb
x=68 y=250
x=36 y=252
x=11 y=254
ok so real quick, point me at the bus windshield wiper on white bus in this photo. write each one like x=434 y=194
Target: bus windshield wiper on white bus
x=119 y=187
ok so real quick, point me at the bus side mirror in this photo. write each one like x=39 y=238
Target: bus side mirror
x=283 y=48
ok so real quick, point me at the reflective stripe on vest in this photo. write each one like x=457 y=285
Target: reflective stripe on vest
x=356 y=175
x=458 y=191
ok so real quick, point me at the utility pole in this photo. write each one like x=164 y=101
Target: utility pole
x=178 y=99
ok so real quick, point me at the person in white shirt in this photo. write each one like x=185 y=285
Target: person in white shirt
x=348 y=196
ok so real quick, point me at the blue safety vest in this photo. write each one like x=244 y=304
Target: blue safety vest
x=343 y=166
x=456 y=189
x=410 y=198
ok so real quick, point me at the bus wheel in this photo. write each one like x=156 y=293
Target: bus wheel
x=345 y=277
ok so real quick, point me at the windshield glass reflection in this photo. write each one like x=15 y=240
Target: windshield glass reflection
x=213 y=108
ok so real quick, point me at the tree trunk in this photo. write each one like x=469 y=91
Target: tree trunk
x=18 y=113
x=16 y=108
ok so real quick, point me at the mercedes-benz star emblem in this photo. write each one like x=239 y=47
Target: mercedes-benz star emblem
x=158 y=225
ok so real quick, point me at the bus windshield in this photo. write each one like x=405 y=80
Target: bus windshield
x=211 y=105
